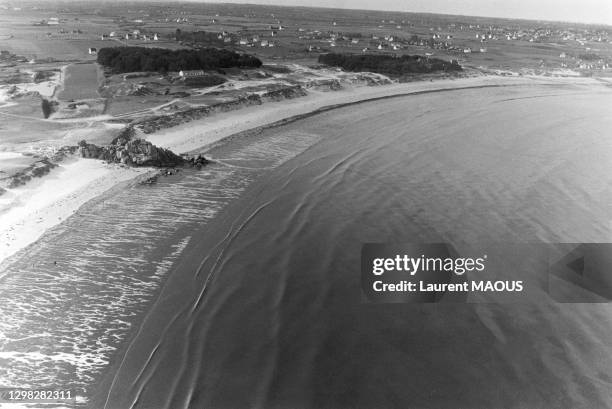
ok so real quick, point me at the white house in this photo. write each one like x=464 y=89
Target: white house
x=92 y=50
x=191 y=73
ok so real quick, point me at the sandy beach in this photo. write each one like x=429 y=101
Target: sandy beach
x=28 y=211
x=202 y=134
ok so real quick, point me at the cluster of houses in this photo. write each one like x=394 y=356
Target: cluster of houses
x=130 y=35
x=388 y=42
x=581 y=62
x=532 y=34
x=51 y=21
x=255 y=41
x=225 y=37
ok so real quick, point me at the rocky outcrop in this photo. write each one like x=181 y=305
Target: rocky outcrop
x=155 y=123
x=322 y=84
x=36 y=169
x=198 y=161
x=131 y=152
x=295 y=91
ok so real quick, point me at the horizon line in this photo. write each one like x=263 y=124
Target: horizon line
x=378 y=10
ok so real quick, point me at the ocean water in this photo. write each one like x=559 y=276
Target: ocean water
x=239 y=286
x=267 y=313
x=70 y=300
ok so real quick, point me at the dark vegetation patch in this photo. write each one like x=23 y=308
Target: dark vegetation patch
x=130 y=59
x=388 y=64
x=48 y=107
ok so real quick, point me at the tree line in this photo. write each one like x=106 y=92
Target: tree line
x=130 y=59
x=387 y=64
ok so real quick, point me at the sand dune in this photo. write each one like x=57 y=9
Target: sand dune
x=205 y=132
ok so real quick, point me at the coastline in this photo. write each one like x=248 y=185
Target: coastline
x=87 y=179
x=33 y=209
x=208 y=132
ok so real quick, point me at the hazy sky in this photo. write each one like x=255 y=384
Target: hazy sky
x=586 y=11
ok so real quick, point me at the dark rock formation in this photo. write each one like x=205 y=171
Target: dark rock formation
x=199 y=161
x=154 y=123
x=132 y=152
x=63 y=152
x=36 y=169
x=162 y=172
x=290 y=92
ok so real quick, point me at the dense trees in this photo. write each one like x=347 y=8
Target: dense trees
x=387 y=64
x=46 y=108
x=130 y=59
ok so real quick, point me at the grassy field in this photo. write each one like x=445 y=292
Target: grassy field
x=80 y=82
x=81 y=26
